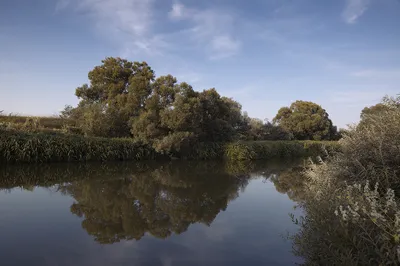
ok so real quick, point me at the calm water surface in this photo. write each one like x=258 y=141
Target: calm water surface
x=172 y=213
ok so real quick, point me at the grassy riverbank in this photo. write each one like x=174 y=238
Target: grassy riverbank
x=25 y=147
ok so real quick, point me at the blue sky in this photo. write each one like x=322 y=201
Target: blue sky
x=342 y=54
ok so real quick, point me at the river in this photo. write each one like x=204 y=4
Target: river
x=148 y=213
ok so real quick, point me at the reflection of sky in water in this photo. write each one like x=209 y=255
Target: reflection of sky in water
x=37 y=228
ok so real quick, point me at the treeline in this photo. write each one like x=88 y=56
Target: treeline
x=126 y=99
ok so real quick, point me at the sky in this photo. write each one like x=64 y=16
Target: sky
x=265 y=54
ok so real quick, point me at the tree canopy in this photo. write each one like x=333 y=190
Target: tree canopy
x=305 y=121
x=126 y=99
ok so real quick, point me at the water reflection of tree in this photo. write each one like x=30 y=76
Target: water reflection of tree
x=290 y=182
x=127 y=200
x=161 y=201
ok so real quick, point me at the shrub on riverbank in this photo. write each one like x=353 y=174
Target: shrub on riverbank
x=18 y=146
x=352 y=205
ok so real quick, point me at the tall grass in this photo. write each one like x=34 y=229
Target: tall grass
x=352 y=202
x=17 y=146
x=45 y=121
x=41 y=147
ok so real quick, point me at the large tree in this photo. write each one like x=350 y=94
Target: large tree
x=306 y=121
x=125 y=99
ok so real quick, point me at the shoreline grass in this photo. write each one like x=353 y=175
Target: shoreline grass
x=41 y=147
x=25 y=147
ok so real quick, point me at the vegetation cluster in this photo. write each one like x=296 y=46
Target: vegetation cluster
x=125 y=100
x=351 y=200
x=29 y=147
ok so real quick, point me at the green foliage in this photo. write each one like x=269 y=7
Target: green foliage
x=306 y=121
x=257 y=150
x=17 y=146
x=41 y=147
x=125 y=99
x=255 y=129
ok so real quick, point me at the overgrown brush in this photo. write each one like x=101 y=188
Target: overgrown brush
x=347 y=224
x=352 y=205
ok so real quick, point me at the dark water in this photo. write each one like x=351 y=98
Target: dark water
x=174 y=213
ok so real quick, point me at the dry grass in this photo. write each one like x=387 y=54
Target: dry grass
x=352 y=205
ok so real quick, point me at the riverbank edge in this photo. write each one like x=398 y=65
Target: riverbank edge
x=16 y=147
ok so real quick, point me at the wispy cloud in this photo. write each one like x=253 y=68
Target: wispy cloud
x=354 y=9
x=224 y=46
x=128 y=22
x=130 y=16
x=61 y=4
x=211 y=28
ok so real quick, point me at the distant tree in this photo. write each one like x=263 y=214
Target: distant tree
x=370 y=113
x=256 y=129
x=306 y=121
x=373 y=110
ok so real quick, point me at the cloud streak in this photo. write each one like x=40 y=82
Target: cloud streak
x=354 y=10
x=128 y=22
x=132 y=24
x=211 y=28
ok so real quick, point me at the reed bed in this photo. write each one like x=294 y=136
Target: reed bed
x=27 y=147
x=42 y=147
